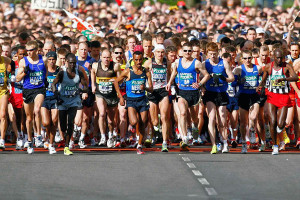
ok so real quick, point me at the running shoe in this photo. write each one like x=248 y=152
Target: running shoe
x=67 y=151
x=184 y=146
x=30 y=150
x=252 y=136
x=118 y=144
x=25 y=142
x=275 y=150
x=195 y=142
x=286 y=138
x=39 y=141
x=153 y=142
x=282 y=146
x=248 y=144
x=52 y=150
x=123 y=143
x=19 y=144
x=110 y=143
x=147 y=143
x=133 y=144
x=46 y=145
x=102 y=142
x=2 y=144
x=262 y=147
x=57 y=137
x=225 y=149
x=214 y=149
x=233 y=143
x=140 y=151
x=244 y=148
x=219 y=147
x=164 y=148
x=94 y=142
x=71 y=144
x=81 y=144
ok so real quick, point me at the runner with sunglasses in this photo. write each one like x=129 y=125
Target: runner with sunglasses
x=32 y=71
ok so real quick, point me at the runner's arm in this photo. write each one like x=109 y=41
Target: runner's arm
x=93 y=77
x=119 y=79
x=201 y=68
x=228 y=72
x=150 y=85
x=264 y=78
x=21 y=74
x=80 y=68
x=292 y=75
x=58 y=79
x=173 y=75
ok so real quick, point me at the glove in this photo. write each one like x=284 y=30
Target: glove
x=222 y=77
x=216 y=79
x=26 y=69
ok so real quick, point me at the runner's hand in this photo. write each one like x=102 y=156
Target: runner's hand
x=195 y=85
x=12 y=78
x=84 y=96
x=93 y=89
x=142 y=87
x=168 y=87
x=122 y=101
x=258 y=89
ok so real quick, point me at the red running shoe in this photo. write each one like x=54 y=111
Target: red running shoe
x=140 y=151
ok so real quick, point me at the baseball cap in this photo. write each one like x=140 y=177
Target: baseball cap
x=260 y=30
x=138 y=48
x=51 y=54
x=158 y=46
x=203 y=36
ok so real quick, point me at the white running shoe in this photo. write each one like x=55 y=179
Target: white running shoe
x=57 y=137
x=71 y=144
x=110 y=143
x=82 y=144
x=2 y=144
x=38 y=141
x=52 y=150
x=225 y=149
x=19 y=144
x=102 y=142
x=244 y=148
x=275 y=150
x=30 y=150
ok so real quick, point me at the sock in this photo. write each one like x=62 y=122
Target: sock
x=185 y=139
x=263 y=142
x=50 y=145
x=82 y=135
x=279 y=130
x=102 y=135
x=30 y=144
x=79 y=128
x=156 y=128
x=139 y=146
x=110 y=134
x=164 y=142
x=225 y=143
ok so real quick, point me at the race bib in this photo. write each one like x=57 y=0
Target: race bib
x=136 y=86
x=187 y=79
x=36 y=78
x=2 y=77
x=70 y=91
x=251 y=82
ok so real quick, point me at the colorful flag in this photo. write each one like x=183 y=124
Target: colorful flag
x=81 y=25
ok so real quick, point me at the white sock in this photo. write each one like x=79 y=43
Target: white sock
x=164 y=142
x=225 y=142
x=139 y=146
x=110 y=134
x=156 y=128
x=50 y=145
x=185 y=139
x=102 y=135
x=82 y=135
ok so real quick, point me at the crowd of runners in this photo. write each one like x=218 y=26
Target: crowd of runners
x=223 y=75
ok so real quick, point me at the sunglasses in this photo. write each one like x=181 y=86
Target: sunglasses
x=119 y=53
x=249 y=58
x=189 y=51
x=30 y=49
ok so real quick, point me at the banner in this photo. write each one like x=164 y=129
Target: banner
x=47 y=4
x=80 y=24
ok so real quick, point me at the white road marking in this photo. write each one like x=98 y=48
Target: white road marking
x=197 y=173
x=186 y=159
x=211 y=191
x=203 y=181
x=191 y=165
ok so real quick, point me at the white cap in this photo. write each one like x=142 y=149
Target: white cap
x=158 y=46
x=260 y=30
x=58 y=35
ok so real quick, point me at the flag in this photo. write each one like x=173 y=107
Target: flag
x=80 y=24
x=119 y=2
x=242 y=18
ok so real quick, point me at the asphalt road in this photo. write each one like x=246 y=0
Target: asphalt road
x=156 y=175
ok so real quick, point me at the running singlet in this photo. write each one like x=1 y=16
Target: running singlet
x=36 y=76
x=279 y=87
x=3 y=77
x=159 y=74
x=133 y=85
x=232 y=88
x=104 y=85
x=186 y=77
x=251 y=80
x=69 y=87
x=218 y=69
x=86 y=65
x=50 y=78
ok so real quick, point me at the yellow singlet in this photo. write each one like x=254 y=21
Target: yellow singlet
x=3 y=78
